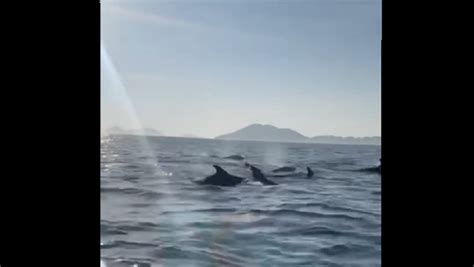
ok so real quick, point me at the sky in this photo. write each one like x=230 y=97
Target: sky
x=206 y=68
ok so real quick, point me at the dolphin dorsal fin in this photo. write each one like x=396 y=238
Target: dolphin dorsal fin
x=257 y=173
x=219 y=170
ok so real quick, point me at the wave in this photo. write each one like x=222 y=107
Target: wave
x=202 y=256
x=128 y=190
x=340 y=249
x=147 y=194
x=125 y=227
x=111 y=230
x=325 y=206
x=318 y=231
x=172 y=160
x=173 y=252
x=129 y=262
x=297 y=213
x=211 y=210
x=126 y=244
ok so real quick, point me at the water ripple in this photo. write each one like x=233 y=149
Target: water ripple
x=152 y=214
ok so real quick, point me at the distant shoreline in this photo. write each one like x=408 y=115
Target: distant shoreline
x=259 y=133
x=241 y=140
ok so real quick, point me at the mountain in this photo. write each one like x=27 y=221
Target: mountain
x=190 y=136
x=115 y=130
x=331 y=139
x=259 y=132
x=144 y=131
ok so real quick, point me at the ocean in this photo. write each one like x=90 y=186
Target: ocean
x=153 y=214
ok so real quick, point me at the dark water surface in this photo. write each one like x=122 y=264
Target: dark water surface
x=152 y=214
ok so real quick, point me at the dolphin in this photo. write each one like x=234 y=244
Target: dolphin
x=309 y=173
x=377 y=169
x=259 y=176
x=222 y=178
x=286 y=172
x=285 y=169
x=235 y=157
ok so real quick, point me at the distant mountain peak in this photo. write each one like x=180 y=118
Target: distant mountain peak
x=264 y=132
x=267 y=132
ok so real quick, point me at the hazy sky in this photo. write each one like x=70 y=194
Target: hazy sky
x=211 y=67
